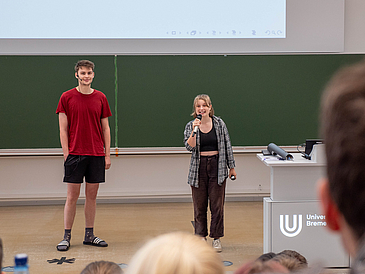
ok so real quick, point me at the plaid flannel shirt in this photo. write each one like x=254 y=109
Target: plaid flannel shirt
x=225 y=152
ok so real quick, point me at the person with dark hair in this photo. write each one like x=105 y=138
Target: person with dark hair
x=342 y=193
x=258 y=266
x=211 y=157
x=85 y=139
x=102 y=267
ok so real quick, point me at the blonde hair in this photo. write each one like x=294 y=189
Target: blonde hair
x=291 y=263
x=102 y=267
x=176 y=253
x=207 y=100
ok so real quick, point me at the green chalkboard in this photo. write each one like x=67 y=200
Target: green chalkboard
x=262 y=98
x=30 y=89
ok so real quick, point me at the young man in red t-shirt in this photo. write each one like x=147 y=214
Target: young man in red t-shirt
x=85 y=139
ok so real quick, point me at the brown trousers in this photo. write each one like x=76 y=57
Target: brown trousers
x=209 y=190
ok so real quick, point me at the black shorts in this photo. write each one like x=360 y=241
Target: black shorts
x=79 y=166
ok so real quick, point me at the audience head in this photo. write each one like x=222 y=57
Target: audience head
x=296 y=255
x=102 y=267
x=342 y=194
x=291 y=263
x=176 y=253
x=259 y=266
x=289 y=259
x=266 y=256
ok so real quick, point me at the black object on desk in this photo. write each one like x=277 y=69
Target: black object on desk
x=275 y=150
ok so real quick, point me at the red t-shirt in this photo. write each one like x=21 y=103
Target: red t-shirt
x=84 y=113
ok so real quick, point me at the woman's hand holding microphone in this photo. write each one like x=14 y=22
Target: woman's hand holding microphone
x=196 y=124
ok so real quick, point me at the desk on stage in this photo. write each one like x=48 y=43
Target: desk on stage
x=292 y=215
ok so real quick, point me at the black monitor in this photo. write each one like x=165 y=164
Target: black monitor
x=309 y=143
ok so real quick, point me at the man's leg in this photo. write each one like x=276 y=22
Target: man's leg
x=91 y=192
x=73 y=193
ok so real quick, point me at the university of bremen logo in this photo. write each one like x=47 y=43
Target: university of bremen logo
x=296 y=227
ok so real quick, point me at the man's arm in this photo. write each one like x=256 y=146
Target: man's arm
x=106 y=135
x=63 y=123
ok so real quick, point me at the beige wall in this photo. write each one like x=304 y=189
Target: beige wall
x=354 y=26
x=132 y=178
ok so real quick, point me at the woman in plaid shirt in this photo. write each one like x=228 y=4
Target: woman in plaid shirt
x=211 y=158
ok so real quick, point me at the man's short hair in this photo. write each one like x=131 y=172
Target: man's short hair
x=343 y=129
x=84 y=63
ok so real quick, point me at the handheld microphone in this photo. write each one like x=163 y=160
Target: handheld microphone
x=199 y=117
x=233 y=178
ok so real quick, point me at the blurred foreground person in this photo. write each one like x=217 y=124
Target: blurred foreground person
x=342 y=193
x=176 y=253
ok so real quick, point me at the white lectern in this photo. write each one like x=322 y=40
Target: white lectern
x=292 y=215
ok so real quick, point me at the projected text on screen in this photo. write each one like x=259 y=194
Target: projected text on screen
x=116 y=19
